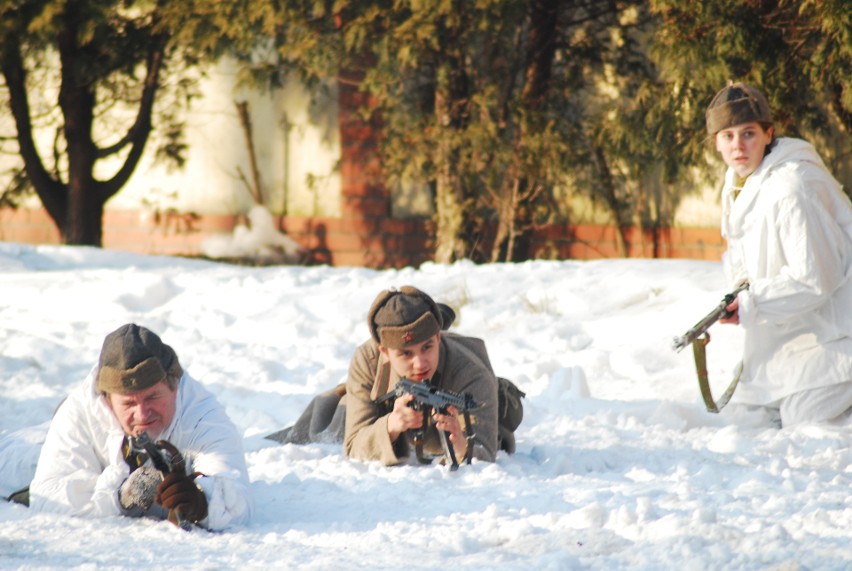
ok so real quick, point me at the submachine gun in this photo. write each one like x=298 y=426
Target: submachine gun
x=426 y=398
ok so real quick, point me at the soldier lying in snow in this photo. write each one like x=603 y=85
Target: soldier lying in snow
x=92 y=462
x=408 y=340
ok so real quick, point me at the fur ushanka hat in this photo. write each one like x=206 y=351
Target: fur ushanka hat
x=403 y=317
x=133 y=359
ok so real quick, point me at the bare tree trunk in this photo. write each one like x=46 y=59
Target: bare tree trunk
x=613 y=203
x=449 y=218
x=83 y=222
x=255 y=188
x=76 y=205
x=540 y=50
x=507 y=204
x=77 y=101
x=450 y=203
x=451 y=102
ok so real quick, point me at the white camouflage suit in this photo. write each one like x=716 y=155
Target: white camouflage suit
x=789 y=233
x=81 y=465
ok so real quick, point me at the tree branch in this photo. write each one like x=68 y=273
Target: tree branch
x=138 y=134
x=49 y=189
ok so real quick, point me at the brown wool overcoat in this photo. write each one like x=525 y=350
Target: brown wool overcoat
x=463 y=367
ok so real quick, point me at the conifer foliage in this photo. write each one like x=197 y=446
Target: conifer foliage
x=91 y=71
x=491 y=104
x=505 y=111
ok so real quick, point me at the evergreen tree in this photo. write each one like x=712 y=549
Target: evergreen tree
x=651 y=150
x=798 y=52
x=485 y=101
x=91 y=71
x=494 y=105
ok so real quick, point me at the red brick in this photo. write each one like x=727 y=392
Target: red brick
x=343 y=243
x=356 y=134
x=361 y=226
x=349 y=259
x=364 y=236
x=354 y=206
x=30 y=233
x=593 y=233
x=355 y=188
x=358 y=152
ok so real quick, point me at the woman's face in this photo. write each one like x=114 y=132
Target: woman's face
x=743 y=146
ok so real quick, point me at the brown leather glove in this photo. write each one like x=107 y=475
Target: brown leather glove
x=178 y=493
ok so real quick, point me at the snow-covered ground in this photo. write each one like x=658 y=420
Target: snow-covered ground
x=618 y=464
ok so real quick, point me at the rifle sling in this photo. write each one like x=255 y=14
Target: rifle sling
x=699 y=351
x=419 y=435
x=448 y=446
x=469 y=435
x=449 y=451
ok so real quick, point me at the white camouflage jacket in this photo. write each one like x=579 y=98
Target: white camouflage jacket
x=81 y=465
x=789 y=234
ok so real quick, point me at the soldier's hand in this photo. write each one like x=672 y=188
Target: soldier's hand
x=139 y=489
x=733 y=312
x=178 y=493
x=403 y=417
x=449 y=422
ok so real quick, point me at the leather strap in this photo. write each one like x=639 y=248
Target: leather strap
x=699 y=351
x=470 y=436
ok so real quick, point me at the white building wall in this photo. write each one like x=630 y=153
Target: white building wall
x=296 y=142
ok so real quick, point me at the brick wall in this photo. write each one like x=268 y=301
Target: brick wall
x=365 y=235
x=375 y=242
x=593 y=241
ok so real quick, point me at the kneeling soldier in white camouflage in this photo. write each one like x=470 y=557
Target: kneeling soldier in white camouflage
x=141 y=437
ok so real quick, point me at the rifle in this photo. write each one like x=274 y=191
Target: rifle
x=426 y=397
x=166 y=460
x=699 y=338
x=702 y=326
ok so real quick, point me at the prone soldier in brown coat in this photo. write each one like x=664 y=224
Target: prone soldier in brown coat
x=407 y=342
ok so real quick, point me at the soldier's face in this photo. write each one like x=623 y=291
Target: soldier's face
x=150 y=410
x=743 y=146
x=415 y=362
